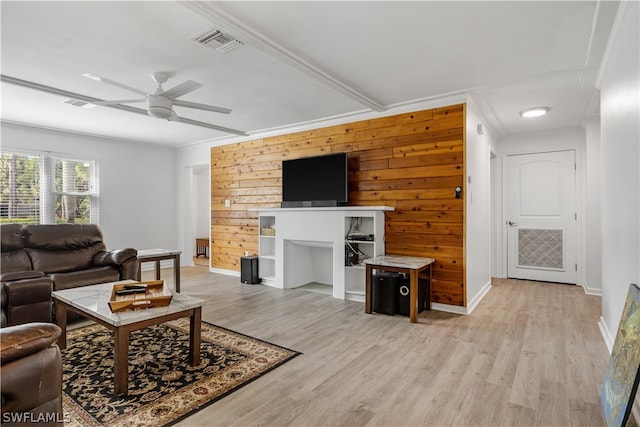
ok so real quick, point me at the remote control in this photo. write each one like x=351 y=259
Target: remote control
x=131 y=291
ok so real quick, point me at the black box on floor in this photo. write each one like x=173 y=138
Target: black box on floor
x=403 y=291
x=249 y=270
x=384 y=292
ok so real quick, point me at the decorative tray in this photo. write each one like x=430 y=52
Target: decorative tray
x=137 y=295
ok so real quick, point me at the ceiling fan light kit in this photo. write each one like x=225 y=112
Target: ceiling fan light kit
x=159 y=107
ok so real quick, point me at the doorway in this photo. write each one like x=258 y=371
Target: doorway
x=541 y=217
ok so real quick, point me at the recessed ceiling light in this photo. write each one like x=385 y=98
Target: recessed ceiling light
x=534 y=112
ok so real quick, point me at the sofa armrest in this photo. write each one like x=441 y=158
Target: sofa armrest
x=20 y=275
x=114 y=258
x=22 y=340
x=125 y=260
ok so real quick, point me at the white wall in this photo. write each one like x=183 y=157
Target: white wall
x=593 y=225
x=137 y=183
x=620 y=134
x=478 y=207
x=189 y=160
x=203 y=199
x=537 y=142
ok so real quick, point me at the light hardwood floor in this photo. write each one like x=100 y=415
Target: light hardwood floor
x=530 y=354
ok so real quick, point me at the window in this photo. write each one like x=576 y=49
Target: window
x=74 y=190
x=19 y=188
x=48 y=189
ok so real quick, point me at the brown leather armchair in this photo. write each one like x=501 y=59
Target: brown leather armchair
x=31 y=375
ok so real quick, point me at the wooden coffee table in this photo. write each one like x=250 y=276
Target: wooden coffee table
x=92 y=302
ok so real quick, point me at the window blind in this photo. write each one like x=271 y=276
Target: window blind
x=48 y=189
x=20 y=188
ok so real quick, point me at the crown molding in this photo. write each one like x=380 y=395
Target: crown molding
x=405 y=107
x=624 y=10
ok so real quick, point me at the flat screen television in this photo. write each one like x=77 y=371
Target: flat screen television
x=315 y=181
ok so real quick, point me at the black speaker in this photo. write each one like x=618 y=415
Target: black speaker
x=249 y=270
x=403 y=291
x=385 y=292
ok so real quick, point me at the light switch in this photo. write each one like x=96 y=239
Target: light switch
x=227 y=203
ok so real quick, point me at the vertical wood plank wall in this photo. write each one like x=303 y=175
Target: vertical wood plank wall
x=411 y=161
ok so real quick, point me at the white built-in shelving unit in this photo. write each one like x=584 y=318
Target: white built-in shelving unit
x=267 y=249
x=298 y=246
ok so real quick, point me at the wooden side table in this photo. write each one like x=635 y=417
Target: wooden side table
x=412 y=266
x=157 y=255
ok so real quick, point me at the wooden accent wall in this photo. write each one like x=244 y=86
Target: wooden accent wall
x=411 y=161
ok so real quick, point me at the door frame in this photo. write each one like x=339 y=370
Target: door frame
x=501 y=208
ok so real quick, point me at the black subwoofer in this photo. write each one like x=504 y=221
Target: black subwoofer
x=403 y=289
x=249 y=270
x=385 y=292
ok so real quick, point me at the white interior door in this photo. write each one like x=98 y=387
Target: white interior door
x=541 y=217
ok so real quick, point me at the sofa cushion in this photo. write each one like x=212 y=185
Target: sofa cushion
x=90 y=276
x=54 y=261
x=11 y=237
x=15 y=261
x=62 y=236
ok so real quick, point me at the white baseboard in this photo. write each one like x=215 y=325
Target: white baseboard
x=591 y=291
x=476 y=300
x=225 y=272
x=455 y=309
x=606 y=334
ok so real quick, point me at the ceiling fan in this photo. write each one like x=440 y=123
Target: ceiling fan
x=160 y=103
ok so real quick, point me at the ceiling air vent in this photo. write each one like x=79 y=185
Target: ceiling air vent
x=218 y=40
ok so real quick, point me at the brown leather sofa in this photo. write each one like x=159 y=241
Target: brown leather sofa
x=31 y=375
x=36 y=259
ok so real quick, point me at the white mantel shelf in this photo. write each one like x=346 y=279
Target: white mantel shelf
x=326 y=209
x=308 y=245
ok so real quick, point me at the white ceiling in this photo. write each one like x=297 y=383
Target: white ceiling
x=302 y=61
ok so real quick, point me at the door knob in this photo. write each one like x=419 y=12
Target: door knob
x=512 y=224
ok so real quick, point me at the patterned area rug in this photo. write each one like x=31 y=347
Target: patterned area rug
x=163 y=388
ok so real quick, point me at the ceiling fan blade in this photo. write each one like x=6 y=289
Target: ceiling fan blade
x=113 y=83
x=121 y=101
x=202 y=106
x=181 y=89
x=176 y=118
